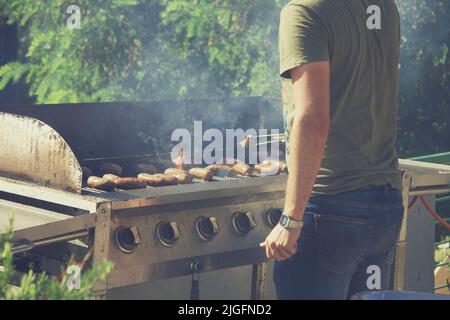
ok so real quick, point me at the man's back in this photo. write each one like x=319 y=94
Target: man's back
x=364 y=61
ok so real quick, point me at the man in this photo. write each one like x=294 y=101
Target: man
x=343 y=208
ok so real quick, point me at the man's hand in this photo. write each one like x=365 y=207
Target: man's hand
x=281 y=243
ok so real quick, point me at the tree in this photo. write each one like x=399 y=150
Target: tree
x=160 y=49
x=424 y=77
x=235 y=41
x=141 y=50
x=92 y=64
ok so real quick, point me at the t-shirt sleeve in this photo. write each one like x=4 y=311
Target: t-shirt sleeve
x=302 y=38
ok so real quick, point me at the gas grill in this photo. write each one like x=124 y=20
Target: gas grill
x=153 y=233
x=149 y=234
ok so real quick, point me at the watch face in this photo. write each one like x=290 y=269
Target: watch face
x=283 y=221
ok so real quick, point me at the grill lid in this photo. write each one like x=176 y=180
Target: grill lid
x=33 y=151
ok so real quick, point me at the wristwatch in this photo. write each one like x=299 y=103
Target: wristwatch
x=289 y=223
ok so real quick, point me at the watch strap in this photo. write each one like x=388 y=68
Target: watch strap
x=288 y=222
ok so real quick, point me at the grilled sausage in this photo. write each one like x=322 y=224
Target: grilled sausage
x=267 y=170
x=167 y=179
x=284 y=167
x=130 y=183
x=100 y=183
x=281 y=164
x=158 y=180
x=110 y=177
x=243 y=168
x=221 y=170
x=182 y=176
x=112 y=168
x=173 y=171
x=144 y=168
x=125 y=183
x=150 y=179
x=201 y=173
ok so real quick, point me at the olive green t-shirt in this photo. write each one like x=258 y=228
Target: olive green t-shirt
x=360 y=150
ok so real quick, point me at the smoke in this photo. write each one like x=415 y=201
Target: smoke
x=187 y=54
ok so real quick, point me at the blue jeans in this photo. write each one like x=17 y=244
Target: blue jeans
x=343 y=236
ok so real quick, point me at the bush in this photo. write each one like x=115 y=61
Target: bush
x=42 y=286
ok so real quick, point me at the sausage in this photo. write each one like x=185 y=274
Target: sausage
x=221 y=170
x=110 y=177
x=182 y=176
x=268 y=170
x=150 y=179
x=243 y=168
x=158 y=180
x=130 y=183
x=112 y=168
x=144 y=168
x=100 y=183
x=284 y=167
x=173 y=171
x=125 y=183
x=281 y=164
x=201 y=173
x=167 y=179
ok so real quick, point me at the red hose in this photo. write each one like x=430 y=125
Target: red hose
x=413 y=203
x=434 y=213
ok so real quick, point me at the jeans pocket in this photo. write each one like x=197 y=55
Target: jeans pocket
x=342 y=242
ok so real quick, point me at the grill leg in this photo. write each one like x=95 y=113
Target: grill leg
x=101 y=246
x=400 y=253
x=259 y=281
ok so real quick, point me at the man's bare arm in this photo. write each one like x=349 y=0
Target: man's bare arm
x=307 y=143
x=309 y=133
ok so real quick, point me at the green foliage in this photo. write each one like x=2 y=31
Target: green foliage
x=159 y=49
x=144 y=50
x=234 y=40
x=442 y=252
x=11 y=72
x=6 y=261
x=424 y=77
x=41 y=286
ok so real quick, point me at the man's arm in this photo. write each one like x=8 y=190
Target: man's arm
x=309 y=134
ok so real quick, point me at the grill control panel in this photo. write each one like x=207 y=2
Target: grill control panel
x=149 y=244
x=206 y=228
